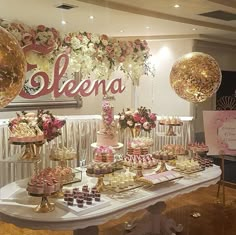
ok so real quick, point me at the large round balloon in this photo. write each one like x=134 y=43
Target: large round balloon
x=12 y=68
x=195 y=77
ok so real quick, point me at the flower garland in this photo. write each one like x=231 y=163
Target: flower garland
x=89 y=53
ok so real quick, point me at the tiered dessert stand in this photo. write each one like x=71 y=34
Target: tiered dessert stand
x=170 y=131
x=63 y=164
x=44 y=206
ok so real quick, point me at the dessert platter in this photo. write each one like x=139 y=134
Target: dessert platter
x=119 y=183
x=198 y=149
x=83 y=200
x=158 y=178
x=171 y=122
x=145 y=161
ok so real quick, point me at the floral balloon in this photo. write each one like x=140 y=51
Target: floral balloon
x=195 y=77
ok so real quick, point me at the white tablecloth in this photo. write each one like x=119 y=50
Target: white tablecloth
x=78 y=133
x=16 y=206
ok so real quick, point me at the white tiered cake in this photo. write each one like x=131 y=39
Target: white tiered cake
x=107 y=134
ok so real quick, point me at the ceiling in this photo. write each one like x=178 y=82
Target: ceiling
x=149 y=19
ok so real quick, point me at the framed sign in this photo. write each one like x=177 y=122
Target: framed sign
x=220 y=131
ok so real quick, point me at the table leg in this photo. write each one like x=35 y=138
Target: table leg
x=93 y=230
x=222 y=180
x=153 y=222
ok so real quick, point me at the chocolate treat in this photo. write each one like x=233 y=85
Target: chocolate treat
x=79 y=200
x=85 y=188
x=97 y=197
x=80 y=204
x=89 y=201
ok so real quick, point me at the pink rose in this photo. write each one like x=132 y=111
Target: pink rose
x=121 y=59
x=136 y=117
x=109 y=49
x=153 y=125
x=27 y=38
x=153 y=116
x=89 y=35
x=55 y=33
x=143 y=120
x=67 y=39
x=50 y=42
x=41 y=28
x=137 y=41
x=146 y=126
x=80 y=37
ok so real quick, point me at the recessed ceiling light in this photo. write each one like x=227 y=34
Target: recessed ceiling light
x=176 y=6
x=194 y=29
x=121 y=31
x=147 y=27
x=91 y=17
x=63 y=22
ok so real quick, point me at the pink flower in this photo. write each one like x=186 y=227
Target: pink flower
x=153 y=116
x=41 y=28
x=89 y=35
x=121 y=59
x=137 y=41
x=27 y=38
x=80 y=37
x=137 y=117
x=146 y=126
x=55 y=33
x=143 y=120
x=50 y=42
x=153 y=125
x=67 y=39
x=109 y=49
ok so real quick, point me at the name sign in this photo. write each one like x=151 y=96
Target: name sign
x=70 y=87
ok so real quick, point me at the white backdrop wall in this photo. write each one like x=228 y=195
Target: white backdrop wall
x=156 y=92
x=153 y=92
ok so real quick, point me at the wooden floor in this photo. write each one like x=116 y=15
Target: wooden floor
x=214 y=220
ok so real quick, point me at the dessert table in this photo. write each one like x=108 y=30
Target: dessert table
x=79 y=132
x=17 y=207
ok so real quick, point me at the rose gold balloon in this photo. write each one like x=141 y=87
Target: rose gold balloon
x=195 y=77
x=12 y=68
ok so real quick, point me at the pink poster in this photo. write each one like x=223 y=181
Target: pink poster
x=220 y=131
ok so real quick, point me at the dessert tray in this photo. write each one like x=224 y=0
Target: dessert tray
x=158 y=178
x=96 y=205
x=77 y=177
x=135 y=185
x=117 y=147
x=189 y=172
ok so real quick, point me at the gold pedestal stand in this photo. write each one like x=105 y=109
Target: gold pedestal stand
x=44 y=206
x=162 y=168
x=31 y=151
x=170 y=131
x=100 y=184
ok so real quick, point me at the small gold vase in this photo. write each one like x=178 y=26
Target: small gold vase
x=135 y=132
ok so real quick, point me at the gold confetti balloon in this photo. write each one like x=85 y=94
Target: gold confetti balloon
x=195 y=77
x=12 y=68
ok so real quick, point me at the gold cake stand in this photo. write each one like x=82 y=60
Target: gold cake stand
x=32 y=149
x=45 y=206
x=170 y=131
